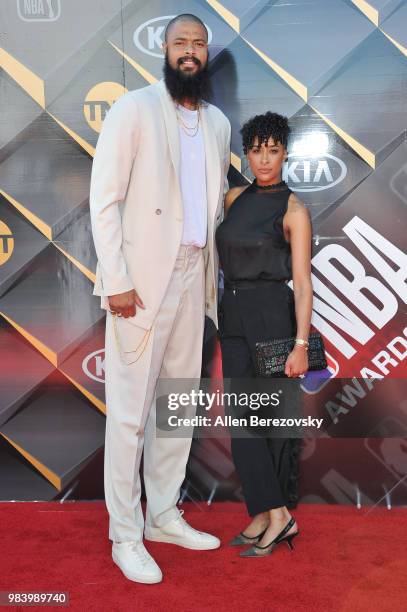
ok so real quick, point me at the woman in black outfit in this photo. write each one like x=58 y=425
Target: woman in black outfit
x=263 y=242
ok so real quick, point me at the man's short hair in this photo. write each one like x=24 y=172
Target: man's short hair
x=184 y=17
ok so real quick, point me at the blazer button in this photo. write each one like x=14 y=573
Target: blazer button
x=158 y=211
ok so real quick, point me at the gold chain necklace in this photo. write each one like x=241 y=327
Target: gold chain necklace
x=186 y=127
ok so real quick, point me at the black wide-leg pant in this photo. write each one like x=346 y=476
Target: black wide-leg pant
x=266 y=466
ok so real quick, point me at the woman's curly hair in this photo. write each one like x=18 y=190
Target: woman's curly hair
x=265 y=126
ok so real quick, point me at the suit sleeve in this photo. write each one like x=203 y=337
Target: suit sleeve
x=226 y=161
x=111 y=169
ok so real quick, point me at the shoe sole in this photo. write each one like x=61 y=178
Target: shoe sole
x=136 y=577
x=165 y=539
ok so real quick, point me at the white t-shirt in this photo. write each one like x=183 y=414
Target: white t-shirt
x=193 y=180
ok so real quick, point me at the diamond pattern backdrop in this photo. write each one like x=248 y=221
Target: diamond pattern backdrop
x=336 y=68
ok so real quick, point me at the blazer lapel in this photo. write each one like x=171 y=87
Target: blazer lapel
x=212 y=158
x=171 y=126
x=212 y=163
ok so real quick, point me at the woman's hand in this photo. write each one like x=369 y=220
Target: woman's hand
x=297 y=362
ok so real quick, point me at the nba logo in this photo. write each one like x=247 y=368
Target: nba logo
x=39 y=10
x=315 y=380
x=387 y=442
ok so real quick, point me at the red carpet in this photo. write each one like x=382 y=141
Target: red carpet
x=344 y=559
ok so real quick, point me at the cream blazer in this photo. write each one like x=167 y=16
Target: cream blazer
x=135 y=197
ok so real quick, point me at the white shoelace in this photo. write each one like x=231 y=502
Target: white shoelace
x=141 y=553
x=183 y=522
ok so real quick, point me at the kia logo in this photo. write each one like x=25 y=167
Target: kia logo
x=149 y=35
x=94 y=365
x=314 y=174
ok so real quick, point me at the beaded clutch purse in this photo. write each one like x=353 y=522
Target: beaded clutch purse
x=271 y=355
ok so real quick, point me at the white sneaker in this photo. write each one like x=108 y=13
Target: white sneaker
x=179 y=532
x=136 y=562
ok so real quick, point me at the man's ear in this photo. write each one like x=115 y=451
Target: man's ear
x=164 y=47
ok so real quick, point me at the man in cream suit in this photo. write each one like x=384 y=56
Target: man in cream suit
x=158 y=180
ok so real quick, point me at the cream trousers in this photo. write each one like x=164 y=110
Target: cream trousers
x=134 y=361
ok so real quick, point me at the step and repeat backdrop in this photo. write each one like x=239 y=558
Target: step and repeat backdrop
x=338 y=70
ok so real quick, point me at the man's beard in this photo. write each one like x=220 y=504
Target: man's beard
x=186 y=86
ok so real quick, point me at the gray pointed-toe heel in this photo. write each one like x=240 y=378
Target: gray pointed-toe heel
x=251 y=552
x=242 y=539
x=264 y=551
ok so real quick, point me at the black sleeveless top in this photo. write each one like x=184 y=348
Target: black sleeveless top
x=250 y=240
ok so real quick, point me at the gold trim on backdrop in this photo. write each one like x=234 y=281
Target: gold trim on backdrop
x=36 y=221
x=236 y=162
x=40 y=346
x=395 y=42
x=368 y=10
x=360 y=149
x=53 y=478
x=90 y=275
x=25 y=77
x=81 y=141
x=144 y=73
x=97 y=402
x=294 y=83
x=227 y=15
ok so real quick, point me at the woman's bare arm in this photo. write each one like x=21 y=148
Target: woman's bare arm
x=298 y=225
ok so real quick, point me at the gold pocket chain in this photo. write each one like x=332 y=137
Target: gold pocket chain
x=143 y=340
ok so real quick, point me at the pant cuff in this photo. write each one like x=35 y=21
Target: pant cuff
x=126 y=535
x=265 y=507
x=162 y=519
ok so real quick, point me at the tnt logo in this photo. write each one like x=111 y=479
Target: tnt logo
x=315 y=380
x=99 y=100
x=6 y=243
x=94 y=365
x=149 y=35
x=39 y=10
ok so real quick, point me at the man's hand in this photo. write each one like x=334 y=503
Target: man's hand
x=124 y=304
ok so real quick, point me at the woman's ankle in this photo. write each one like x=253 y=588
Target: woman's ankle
x=279 y=515
x=258 y=524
